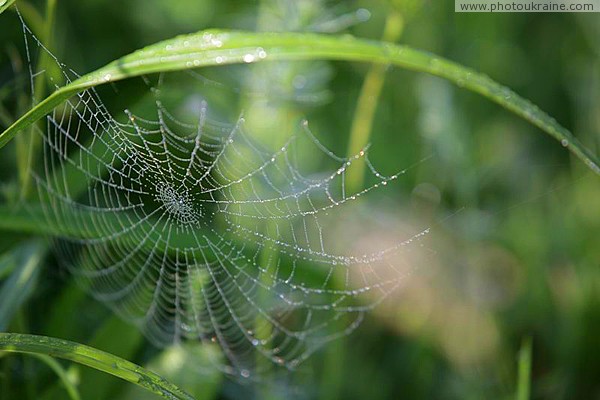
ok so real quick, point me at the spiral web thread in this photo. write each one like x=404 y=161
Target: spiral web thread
x=195 y=232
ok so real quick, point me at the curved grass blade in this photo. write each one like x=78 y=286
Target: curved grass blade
x=4 y=4
x=215 y=47
x=100 y=360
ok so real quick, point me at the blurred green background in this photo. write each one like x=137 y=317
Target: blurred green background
x=514 y=249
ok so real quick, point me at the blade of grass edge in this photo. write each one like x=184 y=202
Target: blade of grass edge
x=85 y=355
x=215 y=47
x=524 y=370
x=4 y=4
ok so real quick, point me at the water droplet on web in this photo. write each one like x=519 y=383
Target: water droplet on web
x=564 y=142
x=435 y=64
x=245 y=373
x=362 y=14
x=299 y=81
x=248 y=58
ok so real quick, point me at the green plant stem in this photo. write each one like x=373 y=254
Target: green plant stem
x=85 y=355
x=29 y=144
x=214 y=47
x=61 y=373
x=362 y=124
x=524 y=377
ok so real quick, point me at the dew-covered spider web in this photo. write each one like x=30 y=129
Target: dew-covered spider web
x=197 y=230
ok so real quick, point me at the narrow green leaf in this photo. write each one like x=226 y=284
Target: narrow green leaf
x=62 y=375
x=81 y=223
x=4 y=4
x=524 y=377
x=213 y=47
x=19 y=286
x=100 y=360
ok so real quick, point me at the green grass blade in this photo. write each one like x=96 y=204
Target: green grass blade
x=61 y=374
x=81 y=224
x=100 y=360
x=524 y=377
x=212 y=48
x=29 y=143
x=17 y=288
x=4 y=4
x=366 y=105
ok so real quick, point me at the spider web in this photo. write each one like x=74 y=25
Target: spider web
x=197 y=231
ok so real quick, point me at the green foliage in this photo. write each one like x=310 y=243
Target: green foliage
x=214 y=47
x=23 y=262
x=22 y=343
x=4 y=4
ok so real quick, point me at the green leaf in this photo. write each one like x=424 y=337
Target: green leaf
x=62 y=374
x=91 y=357
x=75 y=223
x=524 y=376
x=82 y=224
x=19 y=286
x=214 y=47
x=4 y=4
